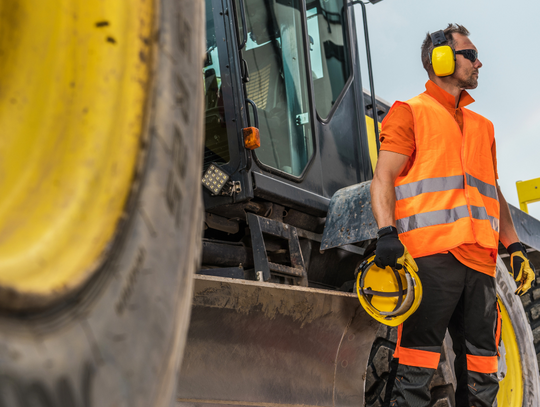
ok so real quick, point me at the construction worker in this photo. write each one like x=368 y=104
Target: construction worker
x=435 y=197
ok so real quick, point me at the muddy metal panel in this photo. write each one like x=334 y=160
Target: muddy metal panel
x=527 y=227
x=349 y=219
x=252 y=343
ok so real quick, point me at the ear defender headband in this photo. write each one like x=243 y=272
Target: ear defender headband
x=443 y=58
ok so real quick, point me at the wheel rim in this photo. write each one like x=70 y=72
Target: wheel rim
x=511 y=387
x=73 y=87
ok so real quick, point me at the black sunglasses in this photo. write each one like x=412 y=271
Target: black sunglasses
x=470 y=54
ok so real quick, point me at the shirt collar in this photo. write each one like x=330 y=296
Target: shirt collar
x=445 y=98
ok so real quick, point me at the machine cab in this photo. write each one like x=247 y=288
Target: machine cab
x=291 y=68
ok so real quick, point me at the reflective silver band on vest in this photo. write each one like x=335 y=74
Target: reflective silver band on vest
x=444 y=216
x=429 y=185
x=479 y=212
x=494 y=223
x=440 y=217
x=444 y=184
x=483 y=187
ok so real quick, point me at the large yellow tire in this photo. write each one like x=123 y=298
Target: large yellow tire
x=101 y=214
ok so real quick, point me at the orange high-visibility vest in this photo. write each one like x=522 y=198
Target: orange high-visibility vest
x=448 y=196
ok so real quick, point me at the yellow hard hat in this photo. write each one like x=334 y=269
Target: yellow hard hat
x=388 y=295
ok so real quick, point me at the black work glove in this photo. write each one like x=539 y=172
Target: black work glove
x=522 y=269
x=390 y=251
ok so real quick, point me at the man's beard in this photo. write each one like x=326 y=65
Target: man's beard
x=470 y=83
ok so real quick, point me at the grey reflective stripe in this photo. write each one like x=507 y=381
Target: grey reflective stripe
x=432 y=218
x=494 y=223
x=479 y=212
x=444 y=216
x=429 y=185
x=483 y=187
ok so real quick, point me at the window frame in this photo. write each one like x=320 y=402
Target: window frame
x=231 y=83
x=310 y=102
x=348 y=61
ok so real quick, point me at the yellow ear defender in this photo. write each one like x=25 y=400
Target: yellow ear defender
x=390 y=296
x=443 y=58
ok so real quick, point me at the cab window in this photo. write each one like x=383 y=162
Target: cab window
x=326 y=23
x=278 y=83
x=216 y=147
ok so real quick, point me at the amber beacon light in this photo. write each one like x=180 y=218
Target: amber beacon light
x=252 y=139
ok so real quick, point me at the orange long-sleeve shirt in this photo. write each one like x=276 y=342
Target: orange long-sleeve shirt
x=398 y=136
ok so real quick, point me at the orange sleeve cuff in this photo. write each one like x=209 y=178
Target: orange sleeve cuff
x=397 y=134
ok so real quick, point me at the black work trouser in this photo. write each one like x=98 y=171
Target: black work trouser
x=464 y=301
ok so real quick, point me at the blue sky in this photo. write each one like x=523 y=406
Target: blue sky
x=506 y=36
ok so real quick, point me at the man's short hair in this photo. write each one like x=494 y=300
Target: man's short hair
x=427 y=45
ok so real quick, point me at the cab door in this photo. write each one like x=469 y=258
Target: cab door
x=309 y=100
x=294 y=63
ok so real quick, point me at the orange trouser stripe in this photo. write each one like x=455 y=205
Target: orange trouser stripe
x=415 y=357
x=482 y=364
x=419 y=358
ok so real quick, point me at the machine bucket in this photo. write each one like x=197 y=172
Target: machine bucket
x=262 y=344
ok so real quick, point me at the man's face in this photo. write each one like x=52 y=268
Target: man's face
x=466 y=73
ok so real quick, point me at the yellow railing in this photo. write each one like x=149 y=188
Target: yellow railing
x=528 y=192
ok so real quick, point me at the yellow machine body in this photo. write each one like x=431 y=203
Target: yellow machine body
x=372 y=141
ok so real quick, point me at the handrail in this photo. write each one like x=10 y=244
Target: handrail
x=370 y=73
x=255 y=112
x=528 y=192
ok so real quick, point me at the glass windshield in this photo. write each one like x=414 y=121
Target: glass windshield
x=277 y=83
x=328 y=52
x=216 y=148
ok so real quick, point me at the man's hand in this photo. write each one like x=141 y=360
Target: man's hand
x=391 y=252
x=522 y=268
